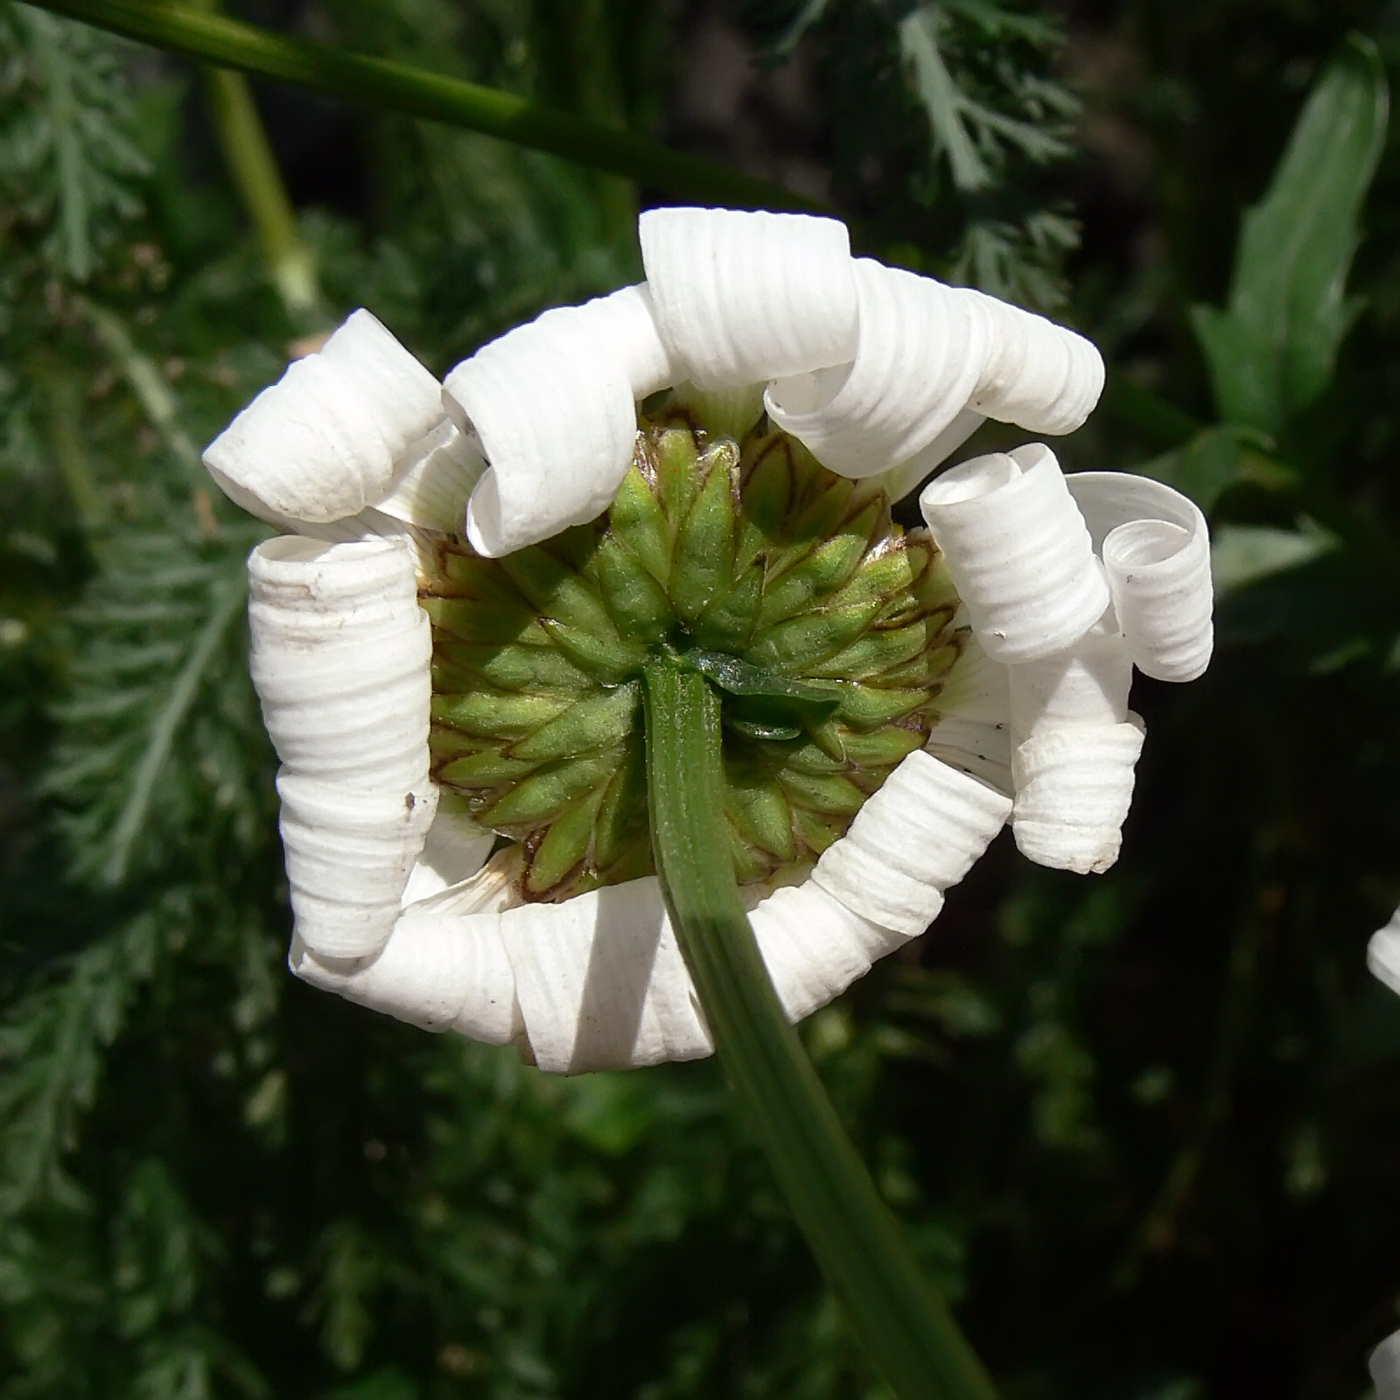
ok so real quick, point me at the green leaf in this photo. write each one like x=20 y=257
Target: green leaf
x=1215 y=460
x=1273 y=351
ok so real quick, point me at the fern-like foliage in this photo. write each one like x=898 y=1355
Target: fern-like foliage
x=943 y=115
x=68 y=155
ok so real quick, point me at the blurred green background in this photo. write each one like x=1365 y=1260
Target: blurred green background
x=1143 y=1128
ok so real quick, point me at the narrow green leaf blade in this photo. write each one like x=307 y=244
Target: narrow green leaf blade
x=1273 y=351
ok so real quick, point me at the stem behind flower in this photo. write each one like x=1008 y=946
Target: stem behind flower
x=904 y=1325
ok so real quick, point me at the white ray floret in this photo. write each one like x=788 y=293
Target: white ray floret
x=1018 y=552
x=1037 y=374
x=1384 y=1365
x=323 y=442
x=1383 y=954
x=1156 y=553
x=918 y=835
x=915 y=366
x=742 y=298
x=340 y=658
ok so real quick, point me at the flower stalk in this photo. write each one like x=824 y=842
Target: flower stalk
x=905 y=1327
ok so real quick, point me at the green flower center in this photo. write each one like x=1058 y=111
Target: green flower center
x=827 y=631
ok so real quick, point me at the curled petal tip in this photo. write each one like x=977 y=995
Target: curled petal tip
x=915 y=365
x=916 y=837
x=1156 y=554
x=321 y=444
x=552 y=405
x=1018 y=551
x=1074 y=786
x=741 y=298
x=1384 y=1365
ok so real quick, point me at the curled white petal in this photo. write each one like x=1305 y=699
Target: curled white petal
x=815 y=946
x=1018 y=551
x=437 y=972
x=434 y=479
x=340 y=658
x=1383 y=956
x=919 y=834
x=1384 y=1365
x=601 y=982
x=916 y=363
x=348 y=856
x=741 y=298
x=1074 y=785
x=1038 y=375
x=322 y=443
x=626 y=319
x=1086 y=684
x=403 y=396
x=552 y=405
x=1156 y=553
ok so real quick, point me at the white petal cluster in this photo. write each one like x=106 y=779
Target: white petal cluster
x=1068 y=582
x=361 y=456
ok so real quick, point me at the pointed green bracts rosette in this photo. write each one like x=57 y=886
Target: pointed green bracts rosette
x=826 y=632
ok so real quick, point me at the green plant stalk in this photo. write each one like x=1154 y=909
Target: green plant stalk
x=228 y=43
x=259 y=183
x=903 y=1324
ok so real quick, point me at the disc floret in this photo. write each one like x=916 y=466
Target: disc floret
x=827 y=630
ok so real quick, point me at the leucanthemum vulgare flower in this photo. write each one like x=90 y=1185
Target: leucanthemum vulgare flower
x=447 y=643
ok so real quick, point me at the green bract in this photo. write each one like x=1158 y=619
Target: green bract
x=826 y=630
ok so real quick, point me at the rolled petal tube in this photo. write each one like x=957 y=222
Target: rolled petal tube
x=742 y=298
x=1383 y=959
x=1384 y=1365
x=601 y=983
x=1018 y=551
x=434 y=479
x=437 y=972
x=323 y=442
x=340 y=658
x=1156 y=553
x=1038 y=375
x=1074 y=785
x=552 y=404
x=915 y=365
x=919 y=834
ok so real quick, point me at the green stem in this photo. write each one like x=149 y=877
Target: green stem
x=228 y=43
x=906 y=1328
x=259 y=184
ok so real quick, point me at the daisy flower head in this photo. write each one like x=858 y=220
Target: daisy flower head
x=447 y=640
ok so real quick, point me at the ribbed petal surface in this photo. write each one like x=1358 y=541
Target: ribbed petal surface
x=742 y=298
x=1156 y=553
x=1087 y=684
x=322 y=442
x=434 y=479
x=340 y=658
x=1383 y=954
x=552 y=405
x=1073 y=789
x=1036 y=374
x=404 y=398
x=1018 y=551
x=814 y=946
x=601 y=982
x=439 y=972
x=919 y=834
x=915 y=366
